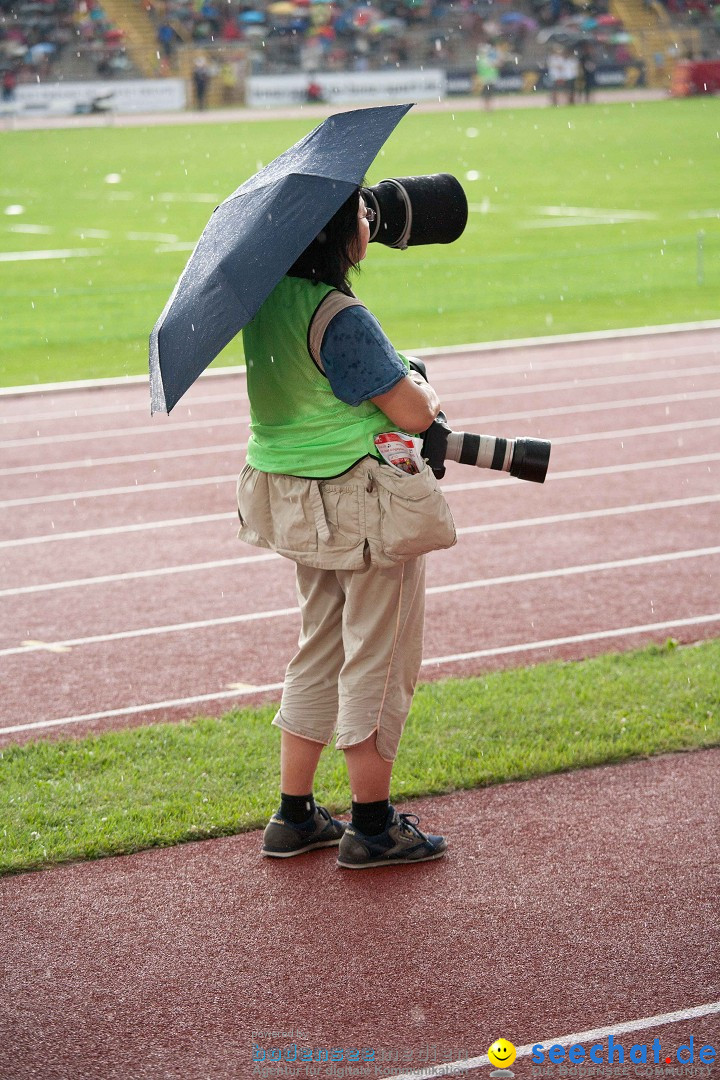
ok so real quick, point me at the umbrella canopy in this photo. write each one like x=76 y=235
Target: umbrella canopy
x=252 y=240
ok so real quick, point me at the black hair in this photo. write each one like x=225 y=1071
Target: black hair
x=331 y=256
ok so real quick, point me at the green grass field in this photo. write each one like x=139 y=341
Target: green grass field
x=542 y=254
x=168 y=783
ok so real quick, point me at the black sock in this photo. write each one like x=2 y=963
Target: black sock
x=370 y=817
x=296 y=808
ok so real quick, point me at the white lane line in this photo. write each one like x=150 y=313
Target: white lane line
x=32 y=230
x=466 y=530
x=131 y=489
x=587 y=515
x=238 y=421
x=438 y=351
x=435 y=590
x=61 y=253
x=126 y=459
x=624 y=1027
x=596 y=211
x=118 y=530
x=588 y=407
x=582 y=474
x=133 y=710
x=531 y=367
x=233 y=448
x=128 y=432
x=140 y=403
x=434 y=661
x=551 y=643
x=633 y=433
x=440 y=376
x=153 y=631
x=167 y=485
x=136 y=575
x=515 y=523
x=158 y=238
x=581 y=384
x=570 y=571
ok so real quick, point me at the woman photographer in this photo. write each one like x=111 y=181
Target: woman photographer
x=323 y=380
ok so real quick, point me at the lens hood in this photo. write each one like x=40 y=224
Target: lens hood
x=530 y=460
x=415 y=210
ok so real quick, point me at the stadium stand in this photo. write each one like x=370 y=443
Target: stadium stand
x=44 y=40
x=199 y=39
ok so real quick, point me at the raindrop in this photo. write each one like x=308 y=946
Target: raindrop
x=472 y=174
x=14 y=210
x=113 y=178
x=472 y=133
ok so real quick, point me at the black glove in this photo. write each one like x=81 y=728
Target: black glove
x=434 y=445
x=418 y=365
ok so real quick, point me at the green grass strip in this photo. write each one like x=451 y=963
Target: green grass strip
x=164 y=784
x=580 y=219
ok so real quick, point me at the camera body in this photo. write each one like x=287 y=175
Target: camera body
x=415 y=210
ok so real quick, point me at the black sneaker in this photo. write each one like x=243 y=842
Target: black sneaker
x=282 y=838
x=401 y=842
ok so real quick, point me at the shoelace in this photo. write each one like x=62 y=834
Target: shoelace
x=410 y=827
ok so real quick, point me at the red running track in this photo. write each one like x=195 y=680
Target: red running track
x=128 y=599
x=565 y=905
x=568 y=904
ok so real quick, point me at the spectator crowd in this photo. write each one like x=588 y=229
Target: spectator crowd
x=38 y=38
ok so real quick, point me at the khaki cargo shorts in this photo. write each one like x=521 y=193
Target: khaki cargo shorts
x=358 y=541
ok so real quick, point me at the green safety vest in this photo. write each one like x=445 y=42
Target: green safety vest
x=297 y=425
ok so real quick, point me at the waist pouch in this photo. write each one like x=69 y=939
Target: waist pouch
x=371 y=511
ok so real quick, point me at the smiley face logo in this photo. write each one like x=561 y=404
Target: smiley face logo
x=502 y=1053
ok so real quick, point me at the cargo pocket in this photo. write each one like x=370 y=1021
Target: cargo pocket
x=414 y=516
x=275 y=511
x=343 y=513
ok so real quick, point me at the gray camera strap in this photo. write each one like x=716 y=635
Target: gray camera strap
x=325 y=312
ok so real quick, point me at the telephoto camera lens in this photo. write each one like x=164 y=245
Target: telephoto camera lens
x=413 y=210
x=526 y=459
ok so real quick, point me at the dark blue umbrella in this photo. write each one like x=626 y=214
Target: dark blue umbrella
x=252 y=240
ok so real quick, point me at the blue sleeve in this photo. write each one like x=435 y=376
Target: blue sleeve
x=359 y=360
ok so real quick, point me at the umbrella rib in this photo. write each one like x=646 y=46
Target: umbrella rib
x=271 y=181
